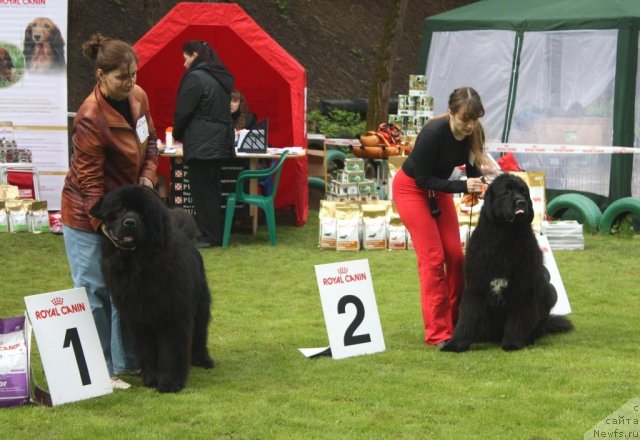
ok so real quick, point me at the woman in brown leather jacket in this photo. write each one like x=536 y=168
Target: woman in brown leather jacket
x=114 y=143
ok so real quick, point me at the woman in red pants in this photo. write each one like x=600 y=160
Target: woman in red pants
x=423 y=195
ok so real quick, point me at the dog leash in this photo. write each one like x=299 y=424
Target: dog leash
x=466 y=243
x=106 y=232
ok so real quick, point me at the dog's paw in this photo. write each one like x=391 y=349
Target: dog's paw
x=513 y=346
x=149 y=380
x=170 y=387
x=453 y=347
x=203 y=362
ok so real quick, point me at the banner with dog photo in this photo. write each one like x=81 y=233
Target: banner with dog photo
x=33 y=87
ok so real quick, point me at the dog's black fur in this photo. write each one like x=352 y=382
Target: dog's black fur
x=507 y=296
x=157 y=280
x=184 y=221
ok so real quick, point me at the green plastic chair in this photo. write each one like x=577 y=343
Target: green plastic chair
x=264 y=202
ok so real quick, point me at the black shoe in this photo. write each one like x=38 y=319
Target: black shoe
x=203 y=244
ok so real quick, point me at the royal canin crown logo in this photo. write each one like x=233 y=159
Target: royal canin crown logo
x=344 y=277
x=57 y=301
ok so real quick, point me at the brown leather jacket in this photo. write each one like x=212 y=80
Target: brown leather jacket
x=107 y=154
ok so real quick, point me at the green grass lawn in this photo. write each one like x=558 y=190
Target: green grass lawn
x=266 y=306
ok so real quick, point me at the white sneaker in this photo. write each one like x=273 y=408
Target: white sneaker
x=119 y=384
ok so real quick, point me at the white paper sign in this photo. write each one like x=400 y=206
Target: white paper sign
x=562 y=306
x=69 y=345
x=350 y=309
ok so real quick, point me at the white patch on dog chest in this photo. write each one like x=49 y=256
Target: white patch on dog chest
x=498 y=286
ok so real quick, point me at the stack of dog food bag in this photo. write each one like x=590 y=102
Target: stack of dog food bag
x=413 y=109
x=354 y=225
x=22 y=215
x=353 y=217
x=351 y=184
x=19 y=214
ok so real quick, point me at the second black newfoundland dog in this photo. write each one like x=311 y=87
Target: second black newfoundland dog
x=507 y=296
x=157 y=280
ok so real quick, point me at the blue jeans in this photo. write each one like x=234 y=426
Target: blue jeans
x=84 y=253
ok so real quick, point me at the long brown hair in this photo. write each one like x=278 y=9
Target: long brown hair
x=243 y=109
x=466 y=102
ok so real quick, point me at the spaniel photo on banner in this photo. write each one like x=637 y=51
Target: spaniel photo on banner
x=33 y=88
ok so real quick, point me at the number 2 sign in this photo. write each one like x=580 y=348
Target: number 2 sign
x=349 y=307
x=69 y=345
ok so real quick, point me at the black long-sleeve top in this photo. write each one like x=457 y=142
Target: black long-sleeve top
x=435 y=155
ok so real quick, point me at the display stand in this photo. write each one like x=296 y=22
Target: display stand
x=11 y=173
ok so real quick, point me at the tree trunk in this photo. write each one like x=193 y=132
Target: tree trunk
x=377 y=109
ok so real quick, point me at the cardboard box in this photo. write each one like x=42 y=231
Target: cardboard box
x=350 y=176
x=354 y=164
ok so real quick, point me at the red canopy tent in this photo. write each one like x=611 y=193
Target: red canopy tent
x=271 y=79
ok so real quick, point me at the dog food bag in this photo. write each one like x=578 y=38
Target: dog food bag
x=55 y=222
x=327 y=220
x=9 y=192
x=397 y=233
x=38 y=217
x=14 y=362
x=4 y=217
x=374 y=230
x=409 y=241
x=17 y=212
x=347 y=226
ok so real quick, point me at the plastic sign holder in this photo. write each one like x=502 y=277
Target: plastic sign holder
x=350 y=310
x=69 y=346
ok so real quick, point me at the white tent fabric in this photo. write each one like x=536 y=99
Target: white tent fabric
x=459 y=65
x=564 y=94
x=635 y=178
x=565 y=88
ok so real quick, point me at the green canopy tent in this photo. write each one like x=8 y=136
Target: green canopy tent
x=549 y=72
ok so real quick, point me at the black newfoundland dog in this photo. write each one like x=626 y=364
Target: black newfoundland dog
x=156 y=278
x=507 y=296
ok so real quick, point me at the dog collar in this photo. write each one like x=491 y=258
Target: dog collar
x=107 y=233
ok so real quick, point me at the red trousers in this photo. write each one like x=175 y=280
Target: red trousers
x=439 y=253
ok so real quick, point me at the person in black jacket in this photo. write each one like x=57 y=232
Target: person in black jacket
x=203 y=123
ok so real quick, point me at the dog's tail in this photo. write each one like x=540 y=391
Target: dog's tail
x=183 y=220
x=557 y=324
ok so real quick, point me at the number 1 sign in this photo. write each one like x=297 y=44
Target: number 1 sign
x=349 y=307
x=69 y=345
